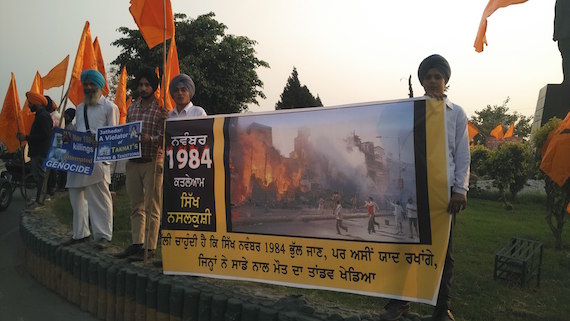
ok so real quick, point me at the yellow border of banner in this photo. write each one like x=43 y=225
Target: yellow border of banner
x=415 y=282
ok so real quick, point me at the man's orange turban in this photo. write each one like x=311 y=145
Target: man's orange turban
x=36 y=99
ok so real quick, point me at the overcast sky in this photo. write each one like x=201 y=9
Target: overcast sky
x=344 y=51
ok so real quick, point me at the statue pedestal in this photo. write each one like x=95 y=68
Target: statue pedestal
x=553 y=101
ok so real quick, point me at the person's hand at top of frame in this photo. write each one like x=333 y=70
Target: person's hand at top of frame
x=457 y=203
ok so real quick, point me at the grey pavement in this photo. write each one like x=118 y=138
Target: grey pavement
x=277 y=222
x=22 y=298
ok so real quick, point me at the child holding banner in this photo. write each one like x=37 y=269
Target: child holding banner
x=434 y=73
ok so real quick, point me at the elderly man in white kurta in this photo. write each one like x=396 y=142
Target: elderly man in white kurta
x=89 y=195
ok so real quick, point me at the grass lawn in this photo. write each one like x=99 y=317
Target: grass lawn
x=480 y=232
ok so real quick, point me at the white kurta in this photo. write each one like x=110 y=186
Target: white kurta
x=89 y=196
x=105 y=113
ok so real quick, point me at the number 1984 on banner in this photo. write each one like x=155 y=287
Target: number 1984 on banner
x=189 y=156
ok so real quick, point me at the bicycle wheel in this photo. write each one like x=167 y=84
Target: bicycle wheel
x=28 y=188
x=5 y=194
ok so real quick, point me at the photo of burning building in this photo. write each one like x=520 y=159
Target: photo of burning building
x=292 y=173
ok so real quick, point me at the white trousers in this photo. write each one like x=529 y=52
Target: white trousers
x=92 y=203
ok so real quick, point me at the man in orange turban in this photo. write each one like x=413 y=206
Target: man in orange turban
x=38 y=139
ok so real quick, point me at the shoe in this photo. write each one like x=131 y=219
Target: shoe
x=139 y=257
x=129 y=251
x=394 y=310
x=102 y=244
x=73 y=241
x=157 y=263
x=442 y=314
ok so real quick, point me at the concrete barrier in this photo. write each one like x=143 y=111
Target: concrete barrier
x=114 y=290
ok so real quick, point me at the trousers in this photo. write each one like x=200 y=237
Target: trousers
x=92 y=204
x=144 y=186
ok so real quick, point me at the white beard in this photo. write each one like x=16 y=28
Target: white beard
x=91 y=99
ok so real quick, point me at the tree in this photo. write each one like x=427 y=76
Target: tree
x=479 y=160
x=510 y=166
x=295 y=96
x=222 y=66
x=489 y=117
x=556 y=197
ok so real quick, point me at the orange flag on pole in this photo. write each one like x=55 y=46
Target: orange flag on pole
x=497 y=132
x=149 y=16
x=492 y=6
x=85 y=59
x=27 y=115
x=121 y=96
x=556 y=153
x=510 y=131
x=10 y=120
x=172 y=70
x=56 y=76
x=472 y=130
x=100 y=65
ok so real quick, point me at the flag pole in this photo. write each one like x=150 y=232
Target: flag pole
x=20 y=144
x=147 y=221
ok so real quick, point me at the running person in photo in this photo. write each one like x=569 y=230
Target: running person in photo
x=412 y=211
x=371 y=208
x=338 y=214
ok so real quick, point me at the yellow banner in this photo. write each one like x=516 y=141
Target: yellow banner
x=350 y=198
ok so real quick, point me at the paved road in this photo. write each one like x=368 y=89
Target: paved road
x=21 y=297
x=325 y=227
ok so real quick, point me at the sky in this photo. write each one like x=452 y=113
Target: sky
x=345 y=51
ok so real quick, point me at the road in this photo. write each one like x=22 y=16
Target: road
x=325 y=227
x=22 y=298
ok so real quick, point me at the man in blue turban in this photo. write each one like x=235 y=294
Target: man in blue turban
x=89 y=195
x=93 y=83
x=434 y=73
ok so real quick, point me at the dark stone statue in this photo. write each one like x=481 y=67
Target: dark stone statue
x=562 y=35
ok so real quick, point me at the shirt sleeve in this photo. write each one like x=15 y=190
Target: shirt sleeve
x=462 y=154
x=113 y=115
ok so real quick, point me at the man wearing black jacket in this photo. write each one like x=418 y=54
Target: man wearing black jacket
x=38 y=139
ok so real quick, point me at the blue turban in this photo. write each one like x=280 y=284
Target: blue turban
x=437 y=62
x=94 y=76
x=184 y=80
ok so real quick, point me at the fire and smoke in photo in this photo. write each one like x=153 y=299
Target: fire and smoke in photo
x=288 y=166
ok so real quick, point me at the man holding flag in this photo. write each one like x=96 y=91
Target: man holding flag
x=89 y=195
x=39 y=138
x=144 y=175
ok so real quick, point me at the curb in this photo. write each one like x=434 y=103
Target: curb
x=114 y=290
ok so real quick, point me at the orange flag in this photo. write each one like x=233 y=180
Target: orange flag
x=491 y=7
x=10 y=120
x=473 y=131
x=149 y=17
x=100 y=65
x=556 y=156
x=85 y=59
x=510 y=131
x=172 y=70
x=497 y=132
x=121 y=96
x=56 y=76
x=27 y=115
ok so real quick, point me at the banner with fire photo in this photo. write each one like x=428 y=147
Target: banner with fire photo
x=349 y=198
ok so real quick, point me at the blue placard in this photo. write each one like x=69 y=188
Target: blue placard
x=118 y=142
x=71 y=151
